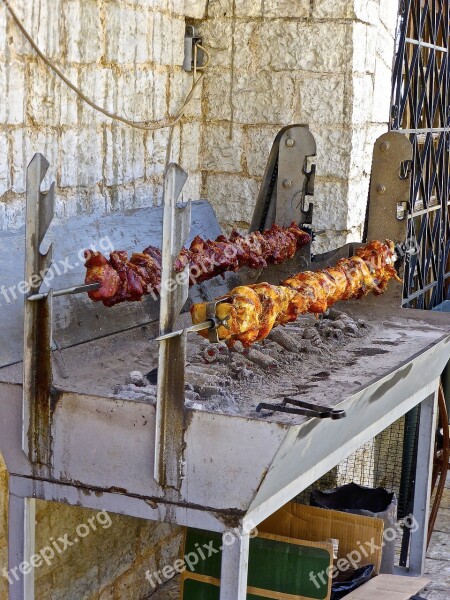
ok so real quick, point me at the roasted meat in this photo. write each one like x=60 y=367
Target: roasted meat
x=123 y=279
x=99 y=270
x=253 y=311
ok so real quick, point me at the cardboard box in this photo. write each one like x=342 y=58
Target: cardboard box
x=389 y=587
x=279 y=568
x=360 y=537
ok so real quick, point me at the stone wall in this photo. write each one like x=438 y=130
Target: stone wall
x=276 y=62
x=125 y=55
x=273 y=62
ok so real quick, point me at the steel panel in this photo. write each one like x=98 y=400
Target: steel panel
x=76 y=318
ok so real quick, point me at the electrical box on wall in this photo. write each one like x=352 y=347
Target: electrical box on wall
x=190 y=42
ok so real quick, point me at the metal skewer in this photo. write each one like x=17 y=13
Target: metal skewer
x=212 y=323
x=209 y=324
x=79 y=289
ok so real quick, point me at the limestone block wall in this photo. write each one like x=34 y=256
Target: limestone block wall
x=125 y=55
x=276 y=62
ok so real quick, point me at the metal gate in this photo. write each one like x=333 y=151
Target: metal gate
x=421 y=109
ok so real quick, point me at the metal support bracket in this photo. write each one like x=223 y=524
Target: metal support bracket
x=37 y=362
x=287 y=181
x=297 y=144
x=169 y=438
x=390 y=188
x=282 y=196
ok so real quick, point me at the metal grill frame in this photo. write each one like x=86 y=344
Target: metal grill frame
x=420 y=108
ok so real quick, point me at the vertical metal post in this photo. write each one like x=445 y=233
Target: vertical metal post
x=234 y=571
x=172 y=352
x=422 y=490
x=37 y=371
x=21 y=545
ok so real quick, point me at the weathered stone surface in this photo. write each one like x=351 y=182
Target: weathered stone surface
x=358 y=192
x=83 y=42
x=443 y=521
x=233 y=197
x=133 y=584
x=333 y=150
x=363 y=97
x=338 y=9
x=168 y=39
x=81 y=159
x=388 y=15
x=324 y=99
x=220 y=151
x=381 y=102
x=439 y=572
x=385 y=44
x=287 y=8
x=301 y=46
x=128 y=34
x=436 y=594
x=330 y=205
x=439 y=548
x=263 y=98
x=218 y=38
x=12 y=92
x=220 y=8
x=365 y=37
x=244 y=8
x=36 y=18
x=180 y=84
x=4 y=175
x=258 y=144
x=218 y=96
x=190 y=139
x=331 y=240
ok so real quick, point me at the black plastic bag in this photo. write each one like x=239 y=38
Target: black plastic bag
x=371 y=502
x=340 y=589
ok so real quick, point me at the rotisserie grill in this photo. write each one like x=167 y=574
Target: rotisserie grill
x=116 y=409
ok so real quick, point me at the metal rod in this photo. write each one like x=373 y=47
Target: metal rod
x=80 y=289
x=423 y=130
x=425 y=44
x=193 y=328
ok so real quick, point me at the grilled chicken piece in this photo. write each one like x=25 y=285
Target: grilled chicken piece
x=254 y=310
x=380 y=260
x=141 y=274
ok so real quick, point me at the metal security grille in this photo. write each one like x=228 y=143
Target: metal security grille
x=421 y=109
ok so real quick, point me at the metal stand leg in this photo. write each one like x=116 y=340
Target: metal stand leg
x=423 y=485
x=233 y=580
x=21 y=543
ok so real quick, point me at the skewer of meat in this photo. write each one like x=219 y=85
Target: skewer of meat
x=125 y=279
x=251 y=312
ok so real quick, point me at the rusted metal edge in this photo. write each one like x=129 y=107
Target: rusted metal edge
x=169 y=435
x=37 y=366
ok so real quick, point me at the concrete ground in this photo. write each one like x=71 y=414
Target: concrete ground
x=437 y=565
